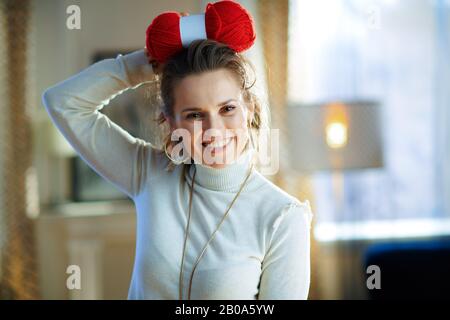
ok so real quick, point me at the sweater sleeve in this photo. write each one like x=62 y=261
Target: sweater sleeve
x=286 y=265
x=74 y=104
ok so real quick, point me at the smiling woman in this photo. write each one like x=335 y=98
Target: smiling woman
x=210 y=99
x=205 y=230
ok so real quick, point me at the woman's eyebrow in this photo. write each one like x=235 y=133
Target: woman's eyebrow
x=199 y=109
x=225 y=102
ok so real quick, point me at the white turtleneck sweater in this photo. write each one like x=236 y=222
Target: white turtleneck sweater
x=261 y=251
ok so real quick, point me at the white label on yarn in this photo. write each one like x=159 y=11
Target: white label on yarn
x=192 y=28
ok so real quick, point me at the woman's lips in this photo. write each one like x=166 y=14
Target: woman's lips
x=218 y=146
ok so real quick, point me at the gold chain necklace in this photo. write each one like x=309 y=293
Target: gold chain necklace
x=210 y=239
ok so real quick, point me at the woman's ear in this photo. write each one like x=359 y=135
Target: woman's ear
x=170 y=121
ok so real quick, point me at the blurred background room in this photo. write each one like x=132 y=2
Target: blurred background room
x=360 y=90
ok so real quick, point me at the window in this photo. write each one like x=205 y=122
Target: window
x=395 y=52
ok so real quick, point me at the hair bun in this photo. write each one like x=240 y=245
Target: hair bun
x=224 y=21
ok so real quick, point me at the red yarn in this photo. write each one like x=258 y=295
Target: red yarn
x=225 y=21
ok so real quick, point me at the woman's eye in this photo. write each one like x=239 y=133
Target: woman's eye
x=229 y=108
x=194 y=115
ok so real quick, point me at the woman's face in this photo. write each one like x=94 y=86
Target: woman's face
x=211 y=116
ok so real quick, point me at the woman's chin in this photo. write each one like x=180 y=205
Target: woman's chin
x=217 y=165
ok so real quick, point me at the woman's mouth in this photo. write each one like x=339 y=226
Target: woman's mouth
x=217 y=146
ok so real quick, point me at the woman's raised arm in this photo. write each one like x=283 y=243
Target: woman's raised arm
x=74 y=105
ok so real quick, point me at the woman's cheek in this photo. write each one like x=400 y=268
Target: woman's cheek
x=189 y=137
x=242 y=137
x=241 y=132
x=196 y=146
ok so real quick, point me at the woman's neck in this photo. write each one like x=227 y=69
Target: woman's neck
x=228 y=178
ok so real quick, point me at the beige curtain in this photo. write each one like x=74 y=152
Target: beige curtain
x=18 y=265
x=274 y=26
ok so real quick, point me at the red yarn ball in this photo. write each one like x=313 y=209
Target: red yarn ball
x=225 y=21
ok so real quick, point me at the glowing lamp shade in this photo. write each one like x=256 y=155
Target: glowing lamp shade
x=335 y=136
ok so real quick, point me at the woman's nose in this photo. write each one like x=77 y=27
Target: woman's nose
x=213 y=126
x=213 y=122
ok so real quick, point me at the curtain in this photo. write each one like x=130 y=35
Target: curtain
x=18 y=264
x=273 y=27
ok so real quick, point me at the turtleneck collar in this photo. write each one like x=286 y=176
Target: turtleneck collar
x=227 y=179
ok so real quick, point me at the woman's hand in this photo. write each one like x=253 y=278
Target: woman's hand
x=158 y=67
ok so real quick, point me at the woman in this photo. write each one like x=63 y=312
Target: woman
x=211 y=227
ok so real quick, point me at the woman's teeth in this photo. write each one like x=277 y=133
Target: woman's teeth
x=218 y=144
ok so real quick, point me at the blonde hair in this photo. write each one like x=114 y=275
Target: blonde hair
x=209 y=55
